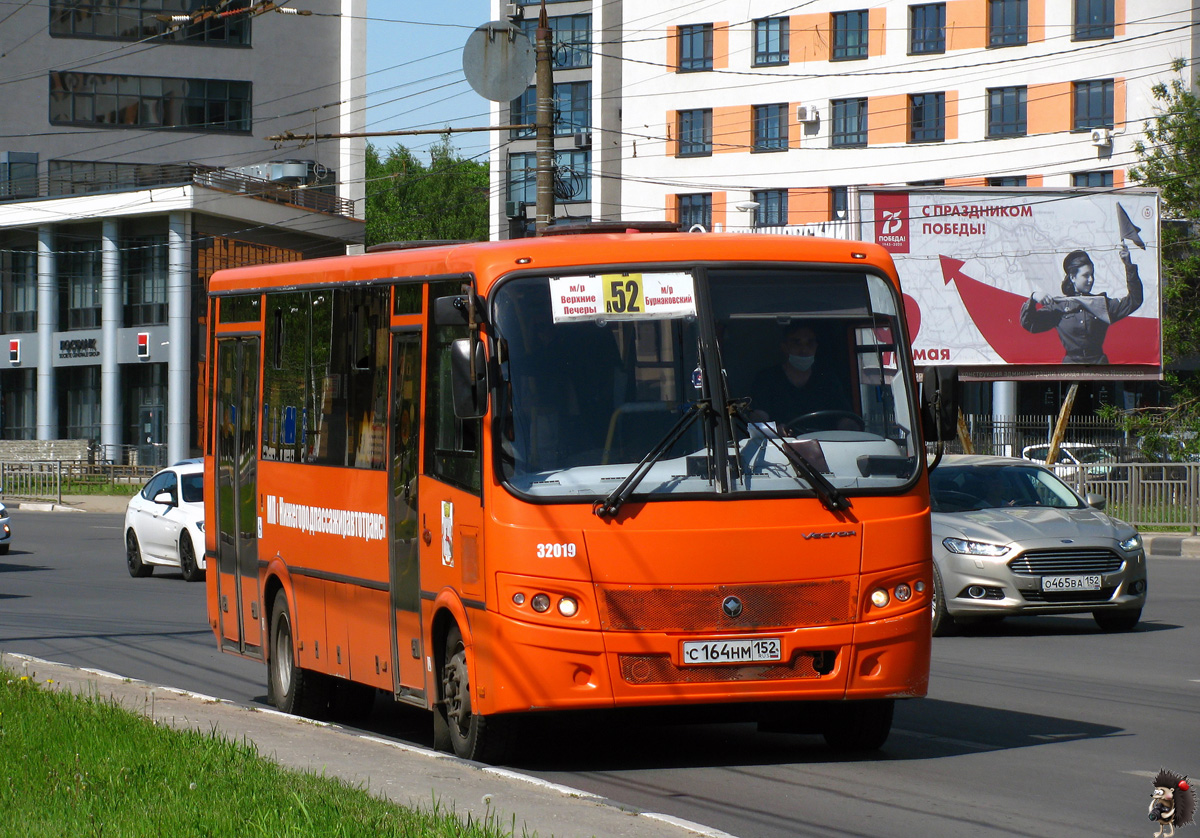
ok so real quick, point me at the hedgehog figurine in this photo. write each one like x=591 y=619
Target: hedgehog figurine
x=1172 y=804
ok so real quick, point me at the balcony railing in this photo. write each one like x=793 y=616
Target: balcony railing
x=145 y=177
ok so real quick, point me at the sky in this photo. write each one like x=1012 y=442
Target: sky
x=414 y=72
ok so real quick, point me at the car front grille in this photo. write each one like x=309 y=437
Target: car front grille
x=1069 y=597
x=1043 y=562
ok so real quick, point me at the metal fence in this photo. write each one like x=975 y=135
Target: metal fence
x=51 y=479
x=1159 y=495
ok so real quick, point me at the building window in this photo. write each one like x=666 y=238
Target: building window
x=695 y=132
x=137 y=20
x=83 y=275
x=571 y=37
x=18 y=174
x=772 y=208
x=1093 y=104
x=770 y=127
x=72 y=177
x=82 y=388
x=1007 y=181
x=572 y=110
x=850 y=31
x=695 y=209
x=18 y=392
x=1008 y=23
x=573 y=176
x=695 y=47
x=1092 y=179
x=1094 y=19
x=522 y=177
x=1006 y=111
x=932 y=182
x=18 y=291
x=770 y=41
x=927 y=29
x=149 y=102
x=927 y=117
x=144 y=272
x=849 y=123
x=839 y=203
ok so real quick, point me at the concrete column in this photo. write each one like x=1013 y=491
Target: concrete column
x=110 y=324
x=179 y=322
x=47 y=325
x=1004 y=414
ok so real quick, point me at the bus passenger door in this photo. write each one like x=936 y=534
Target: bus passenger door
x=408 y=673
x=237 y=492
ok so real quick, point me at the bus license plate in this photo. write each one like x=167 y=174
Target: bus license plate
x=732 y=651
x=1090 y=582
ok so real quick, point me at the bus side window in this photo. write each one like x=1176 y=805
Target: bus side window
x=451 y=444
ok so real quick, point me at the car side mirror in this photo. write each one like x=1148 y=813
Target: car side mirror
x=1096 y=501
x=165 y=497
x=468 y=374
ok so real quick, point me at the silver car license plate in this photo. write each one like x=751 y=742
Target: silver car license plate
x=1088 y=582
x=732 y=651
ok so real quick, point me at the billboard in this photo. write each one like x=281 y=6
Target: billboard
x=1025 y=283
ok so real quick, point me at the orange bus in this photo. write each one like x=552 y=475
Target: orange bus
x=573 y=472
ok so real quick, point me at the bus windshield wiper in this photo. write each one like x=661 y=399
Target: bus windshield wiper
x=609 y=506
x=830 y=495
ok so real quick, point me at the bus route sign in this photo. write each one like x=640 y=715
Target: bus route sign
x=631 y=296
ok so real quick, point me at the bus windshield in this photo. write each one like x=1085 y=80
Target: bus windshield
x=599 y=371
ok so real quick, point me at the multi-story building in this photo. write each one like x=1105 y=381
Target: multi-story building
x=769 y=116
x=134 y=161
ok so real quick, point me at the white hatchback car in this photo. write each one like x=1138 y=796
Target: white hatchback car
x=164 y=522
x=1073 y=457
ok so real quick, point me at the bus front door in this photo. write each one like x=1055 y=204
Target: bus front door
x=237 y=521
x=408 y=673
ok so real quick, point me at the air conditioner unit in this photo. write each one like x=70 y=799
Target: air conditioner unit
x=514 y=11
x=1101 y=137
x=583 y=139
x=514 y=209
x=807 y=113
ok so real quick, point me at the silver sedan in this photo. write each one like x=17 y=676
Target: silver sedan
x=1009 y=537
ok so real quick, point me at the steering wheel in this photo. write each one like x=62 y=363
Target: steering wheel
x=824 y=420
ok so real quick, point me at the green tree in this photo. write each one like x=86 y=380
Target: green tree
x=408 y=200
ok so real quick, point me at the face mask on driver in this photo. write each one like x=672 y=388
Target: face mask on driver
x=801 y=362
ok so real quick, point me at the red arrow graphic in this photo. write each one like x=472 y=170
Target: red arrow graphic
x=997 y=315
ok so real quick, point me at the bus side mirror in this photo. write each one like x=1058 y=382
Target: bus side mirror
x=939 y=403
x=468 y=374
x=452 y=311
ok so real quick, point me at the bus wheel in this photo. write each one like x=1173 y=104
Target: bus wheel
x=469 y=735
x=298 y=691
x=133 y=558
x=859 y=725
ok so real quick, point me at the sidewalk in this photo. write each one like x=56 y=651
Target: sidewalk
x=404 y=774
x=1179 y=545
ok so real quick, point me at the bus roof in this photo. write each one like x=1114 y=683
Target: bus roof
x=487 y=261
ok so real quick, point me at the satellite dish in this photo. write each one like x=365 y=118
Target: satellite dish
x=499 y=61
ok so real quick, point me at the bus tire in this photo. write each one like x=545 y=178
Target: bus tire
x=298 y=691
x=468 y=734
x=859 y=725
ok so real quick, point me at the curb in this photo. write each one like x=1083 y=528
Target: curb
x=1172 y=545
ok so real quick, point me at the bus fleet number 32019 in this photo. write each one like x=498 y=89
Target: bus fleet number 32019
x=732 y=651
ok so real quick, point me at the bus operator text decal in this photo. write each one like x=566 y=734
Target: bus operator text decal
x=317 y=519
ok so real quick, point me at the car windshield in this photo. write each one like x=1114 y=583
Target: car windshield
x=193 y=487
x=808 y=365
x=969 y=487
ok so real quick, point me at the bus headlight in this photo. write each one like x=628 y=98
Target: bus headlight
x=540 y=603
x=568 y=607
x=879 y=597
x=903 y=592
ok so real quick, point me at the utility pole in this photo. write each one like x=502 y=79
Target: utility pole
x=544 y=122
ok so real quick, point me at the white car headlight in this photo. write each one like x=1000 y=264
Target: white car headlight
x=973 y=548
x=1134 y=542
x=200 y=526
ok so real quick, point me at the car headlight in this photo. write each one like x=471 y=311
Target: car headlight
x=974 y=548
x=1134 y=542
x=200 y=526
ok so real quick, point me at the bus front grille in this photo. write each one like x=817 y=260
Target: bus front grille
x=709 y=608
x=659 y=669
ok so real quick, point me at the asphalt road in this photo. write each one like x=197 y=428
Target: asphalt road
x=1033 y=727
